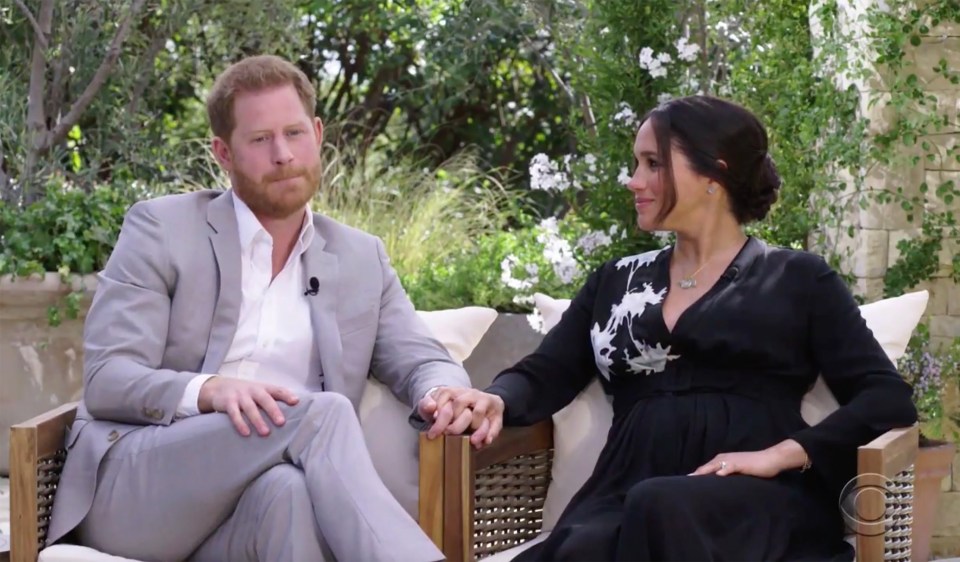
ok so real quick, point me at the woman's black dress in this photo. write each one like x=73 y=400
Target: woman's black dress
x=729 y=377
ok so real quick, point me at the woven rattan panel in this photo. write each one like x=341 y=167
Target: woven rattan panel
x=508 y=508
x=899 y=517
x=48 y=476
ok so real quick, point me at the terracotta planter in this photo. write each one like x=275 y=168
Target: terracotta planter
x=41 y=366
x=934 y=461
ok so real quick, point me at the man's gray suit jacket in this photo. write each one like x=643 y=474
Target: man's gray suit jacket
x=167 y=306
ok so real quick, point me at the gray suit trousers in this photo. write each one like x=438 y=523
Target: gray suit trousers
x=199 y=490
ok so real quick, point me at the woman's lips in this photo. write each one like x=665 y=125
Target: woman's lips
x=641 y=204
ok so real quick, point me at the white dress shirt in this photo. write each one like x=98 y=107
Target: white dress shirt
x=274 y=342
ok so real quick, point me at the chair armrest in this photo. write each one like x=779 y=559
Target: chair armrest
x=883 y=491
x=37 y=455
x=492 y=499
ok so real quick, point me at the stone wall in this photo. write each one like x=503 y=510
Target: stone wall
x=878 y=228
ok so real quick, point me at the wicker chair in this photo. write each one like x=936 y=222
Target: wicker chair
x=472 y=503
x=492 y=500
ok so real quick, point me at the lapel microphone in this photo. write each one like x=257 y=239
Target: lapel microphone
x=314 y=287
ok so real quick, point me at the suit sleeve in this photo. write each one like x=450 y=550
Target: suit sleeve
x=125 y=330
x=406 y=356
x=873 y=397
x=548 y=379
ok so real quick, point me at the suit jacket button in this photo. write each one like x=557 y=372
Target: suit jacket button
x=113 y=436
x=158 y=414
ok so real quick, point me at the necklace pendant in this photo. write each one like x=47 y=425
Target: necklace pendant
x=687 y=283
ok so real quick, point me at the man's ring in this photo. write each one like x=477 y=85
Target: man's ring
x=723 y=465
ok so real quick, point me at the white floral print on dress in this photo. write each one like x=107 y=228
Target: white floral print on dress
x=643 y=358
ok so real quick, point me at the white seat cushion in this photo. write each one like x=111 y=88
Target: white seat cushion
x=580 y=429
x=393 y=444
x=73 y=553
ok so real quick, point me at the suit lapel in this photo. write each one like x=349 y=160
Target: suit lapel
x=225 y=239
x=324 y=266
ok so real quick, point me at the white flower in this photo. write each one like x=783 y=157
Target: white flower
x=664 y=97
x=687 y=51
x=625 y=116
x=634 y=304
x=655 y=65
x=549 y=226
x=658 y=72
x=545 y=174
x=650 y=360
x=602 y=341
x=557 y=251
x=624 y=177
x=663 y=236
x=523 y=300
x=588 y=243
x=646 y=57
x=639 y=260
x=535 y=319
x=507 y=278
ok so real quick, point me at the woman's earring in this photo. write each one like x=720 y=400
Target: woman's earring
x=712 y=189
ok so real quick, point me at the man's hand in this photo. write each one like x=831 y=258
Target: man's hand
x=454 y=410
x=238 y=398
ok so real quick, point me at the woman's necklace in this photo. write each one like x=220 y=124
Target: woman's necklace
x=689 y=282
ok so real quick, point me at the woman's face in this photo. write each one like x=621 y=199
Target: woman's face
x=647 y=185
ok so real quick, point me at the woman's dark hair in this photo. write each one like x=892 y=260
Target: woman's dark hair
x=707 y=130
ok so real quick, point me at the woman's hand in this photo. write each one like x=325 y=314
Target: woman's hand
x=457 y=409
x=762 y=464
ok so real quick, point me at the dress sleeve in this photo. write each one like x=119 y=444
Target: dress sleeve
x=548 y=379
x=873 y=397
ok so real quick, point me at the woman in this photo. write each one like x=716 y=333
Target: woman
x=707 y=348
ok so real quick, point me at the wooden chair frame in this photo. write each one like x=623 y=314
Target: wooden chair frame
x=492 y=500
x=472 y=503
x=37 y=455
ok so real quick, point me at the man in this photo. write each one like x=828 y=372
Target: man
x=226 y=351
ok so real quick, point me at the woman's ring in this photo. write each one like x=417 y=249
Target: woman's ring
x=723 y=465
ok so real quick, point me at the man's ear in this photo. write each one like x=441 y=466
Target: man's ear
x=221 y=150
x=318 y=129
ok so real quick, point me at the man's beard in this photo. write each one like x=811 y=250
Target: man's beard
x=278 y=201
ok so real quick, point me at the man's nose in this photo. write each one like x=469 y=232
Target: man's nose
x=281 y=152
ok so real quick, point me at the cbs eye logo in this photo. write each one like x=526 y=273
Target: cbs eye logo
x=863 y=503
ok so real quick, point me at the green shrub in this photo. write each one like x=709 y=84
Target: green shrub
x=423 y=214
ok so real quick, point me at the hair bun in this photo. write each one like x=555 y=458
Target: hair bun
x=764 y=190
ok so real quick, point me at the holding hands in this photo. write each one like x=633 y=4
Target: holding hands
x=455 y=410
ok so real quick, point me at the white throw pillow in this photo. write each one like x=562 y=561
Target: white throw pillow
x=392 y=442
x=580 y=429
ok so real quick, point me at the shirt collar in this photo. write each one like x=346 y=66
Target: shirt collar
x=249 y=226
